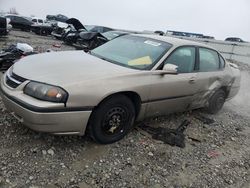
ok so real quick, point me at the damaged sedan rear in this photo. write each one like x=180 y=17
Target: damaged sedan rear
x=127 y=79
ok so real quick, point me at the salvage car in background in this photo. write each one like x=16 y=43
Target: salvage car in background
x=59 y=29
x=90 y=40
x=20 y=22
x=86 y=38
x=71 y=34
x=58 y=17
x=234 y=39
x=124 y=80
x=42 y=28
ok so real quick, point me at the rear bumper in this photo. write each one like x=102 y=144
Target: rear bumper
x=235 y=87
x=55 y=121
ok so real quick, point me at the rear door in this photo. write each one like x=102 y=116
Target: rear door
x=173 y=93
x=210 y=74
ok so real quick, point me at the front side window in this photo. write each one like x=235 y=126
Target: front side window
x=184 y=58
x=209 y=60
x=132 y=51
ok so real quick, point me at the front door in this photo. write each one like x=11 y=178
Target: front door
x=173 y=93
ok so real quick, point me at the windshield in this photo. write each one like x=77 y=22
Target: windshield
x=132 y=51
x=89 y=27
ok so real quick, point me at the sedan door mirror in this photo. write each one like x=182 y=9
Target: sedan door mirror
x=167 y=69
x=170 y=68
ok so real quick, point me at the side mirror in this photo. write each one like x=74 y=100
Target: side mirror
x=170 y=69
x=167 y=69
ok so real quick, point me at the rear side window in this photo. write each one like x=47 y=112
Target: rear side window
x=40 y=21
x=184 y=58
x=209 y=60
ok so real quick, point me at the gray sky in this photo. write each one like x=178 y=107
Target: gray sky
x=218 y=18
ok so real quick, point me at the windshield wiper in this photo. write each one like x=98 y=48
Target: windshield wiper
x=100 y=57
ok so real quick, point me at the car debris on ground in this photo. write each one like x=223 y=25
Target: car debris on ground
x=13 y=53
x=173 y=137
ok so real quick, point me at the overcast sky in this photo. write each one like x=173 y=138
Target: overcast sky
x=218 y=18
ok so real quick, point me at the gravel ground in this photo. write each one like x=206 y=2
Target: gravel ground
x=218 y=155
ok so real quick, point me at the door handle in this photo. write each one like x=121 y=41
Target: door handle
x=192 y=80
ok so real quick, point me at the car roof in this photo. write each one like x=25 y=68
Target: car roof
x=117 y=31
x=174 y=41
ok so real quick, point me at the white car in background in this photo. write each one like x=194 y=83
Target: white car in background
x=37 y=21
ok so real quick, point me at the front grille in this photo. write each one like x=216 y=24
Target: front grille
x=11 y=83
x=13 y=80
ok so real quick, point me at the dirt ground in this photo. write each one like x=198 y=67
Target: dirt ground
x=217 y=152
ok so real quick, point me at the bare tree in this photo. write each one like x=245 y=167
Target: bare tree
x=13 y=11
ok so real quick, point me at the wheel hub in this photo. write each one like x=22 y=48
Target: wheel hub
x=114 y=121
x=220 y=102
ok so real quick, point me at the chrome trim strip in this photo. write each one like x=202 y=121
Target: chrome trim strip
x=12 y=79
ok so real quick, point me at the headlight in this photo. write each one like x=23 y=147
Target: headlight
x=46 y=92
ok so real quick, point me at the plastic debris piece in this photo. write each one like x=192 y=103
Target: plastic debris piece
x=57 y=45
x=213 y=154
x=24 y=47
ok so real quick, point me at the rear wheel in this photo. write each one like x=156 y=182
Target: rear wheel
x=112 y=120
x=216 y=102
x=43 y=32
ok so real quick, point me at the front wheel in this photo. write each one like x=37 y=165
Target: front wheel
x=216 y=102
x=112 y=119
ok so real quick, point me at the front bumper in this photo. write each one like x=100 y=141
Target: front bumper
x=61 y=120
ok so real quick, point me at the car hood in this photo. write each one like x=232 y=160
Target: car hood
x=64 y=68
x=76 y=23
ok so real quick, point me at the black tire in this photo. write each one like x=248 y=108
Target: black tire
x=216 y=102
x=44 y=32
x=112 y=119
